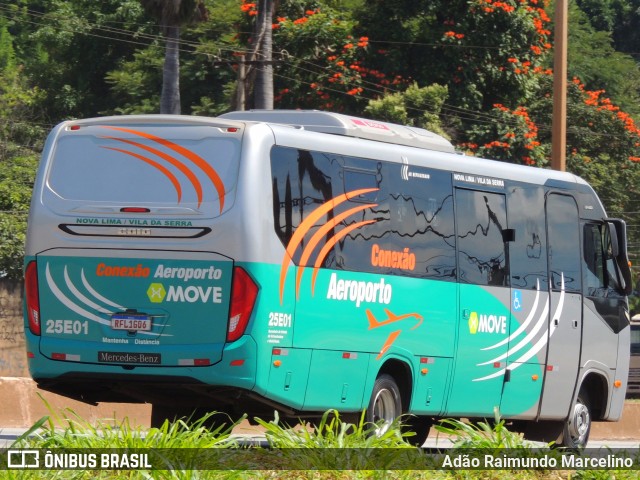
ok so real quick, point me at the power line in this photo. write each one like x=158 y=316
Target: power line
x=136 y=38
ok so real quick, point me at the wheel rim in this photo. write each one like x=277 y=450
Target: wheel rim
x=580 y=424
x=384 y=410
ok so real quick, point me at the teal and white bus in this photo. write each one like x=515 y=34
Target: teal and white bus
x=301 y=261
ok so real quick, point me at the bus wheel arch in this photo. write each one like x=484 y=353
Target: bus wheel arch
x=401 y=374
x=391 y=397
x=595 y=387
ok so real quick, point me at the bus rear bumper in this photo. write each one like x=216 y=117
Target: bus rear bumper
x=93 y=383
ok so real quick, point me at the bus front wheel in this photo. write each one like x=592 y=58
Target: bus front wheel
x=385 y=404
x=578 y=426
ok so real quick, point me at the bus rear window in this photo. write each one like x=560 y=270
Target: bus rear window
x=145 y=165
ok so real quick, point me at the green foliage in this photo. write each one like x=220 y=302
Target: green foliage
x=626 y=30
x=416 y=106
x=137 y=83
x=482 y=52
x=66 y=429
x=17 y=161
x=67 y=46
x=603 y=146
x=601 y=13
x=331 y=432
x=206 y=88
x=16 y=183
x=7 y=54
x=613 y=71
x=510 y=136
x=295 y=454
x=487 y=435
x=178 y=12
x=323 y=65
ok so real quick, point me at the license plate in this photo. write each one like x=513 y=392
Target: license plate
x=130 y=322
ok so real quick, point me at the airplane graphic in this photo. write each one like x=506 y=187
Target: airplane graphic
x=391 y=318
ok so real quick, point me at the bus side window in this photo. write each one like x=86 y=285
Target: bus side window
x=564 y=237
x=481 y=219
x=528 y=252
x=359 y=180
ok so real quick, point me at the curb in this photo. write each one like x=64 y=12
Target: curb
x=23 y=404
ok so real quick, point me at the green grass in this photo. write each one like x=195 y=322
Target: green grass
x=297 y=452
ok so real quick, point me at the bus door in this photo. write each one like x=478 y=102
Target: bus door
x=484 y=300
x=564 y=331
x=528 y=272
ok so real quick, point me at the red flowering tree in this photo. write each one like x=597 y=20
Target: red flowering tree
x=510 y=135
x=484 y=51
x=320 y=63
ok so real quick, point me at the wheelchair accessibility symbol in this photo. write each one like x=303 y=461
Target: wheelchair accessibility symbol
x=517 y=301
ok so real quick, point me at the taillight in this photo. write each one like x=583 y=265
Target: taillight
x=32 y=298
x=243 y=296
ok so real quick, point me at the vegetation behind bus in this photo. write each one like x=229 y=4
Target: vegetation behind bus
x=44 y=79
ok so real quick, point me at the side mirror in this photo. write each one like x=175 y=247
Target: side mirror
x=618 y=231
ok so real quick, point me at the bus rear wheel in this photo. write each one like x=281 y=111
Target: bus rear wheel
x=420 y=427
x=385 y=404
x=577 y=428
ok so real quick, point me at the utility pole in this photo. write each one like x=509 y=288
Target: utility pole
x=240 y=87
x=559 y=122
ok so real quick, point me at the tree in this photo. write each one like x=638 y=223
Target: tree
x=207 y=80
x=483 y=51
x=172 y=14
x=321 y=64
x=18 y=135
x=626 y=30
x=16 y=184
x=418 y=107
x=614 y=71
x=64 y=48
x=263 y=53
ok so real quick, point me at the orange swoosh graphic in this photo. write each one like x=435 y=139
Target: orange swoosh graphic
x=387 y=345
x=322 y=231
x=307 y=224
x=199 y=161
x=173 y=161
x=172 y=178
x=329 y=245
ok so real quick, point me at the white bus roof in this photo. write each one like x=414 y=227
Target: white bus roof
x=338 y=124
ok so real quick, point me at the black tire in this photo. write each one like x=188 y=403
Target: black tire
x=577 y=428
x=420 y=426
x=385 y=404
